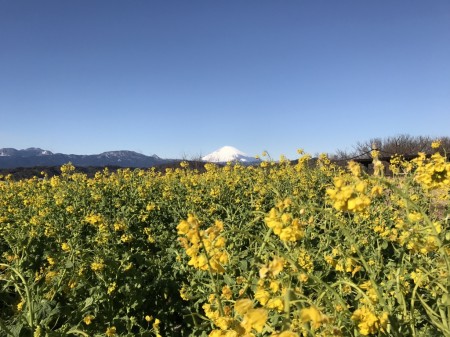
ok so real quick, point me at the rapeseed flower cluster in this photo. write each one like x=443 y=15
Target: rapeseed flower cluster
x=398 y=165
x=270 y=291
x=246 y=321
x=283 y=224
x=206 y=248
x=432 y=173
x=350 y=193
x=313 y=316
x=418 y=236
x=342 y=263
x=368 y=321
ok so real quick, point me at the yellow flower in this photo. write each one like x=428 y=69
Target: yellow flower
x=254 y=319
x=126 y=238
x=224 y=322
x=243 y=306
x=374 y=153
x=274 y=286
x=184 y=294
x=227 y=293
x=419 y=278
x=155 y=324
x=436 y=144
x=349 y=196
x=276 y=266
x=93 y=219
x=110 y=331
x=415 y=217
x=67 y=168
x=119 y=227
x=148 y=318
x=65 y=247
x=111 y=288
x=150 y=207
x=262 y=296
x=88 y=319
x=20 y=305
x=275 y=303
x=98 y=265
x=303 y=277
x=354 y=168
x=368 y=322
x=376 y=191
x=313 y=315
x=433 y=173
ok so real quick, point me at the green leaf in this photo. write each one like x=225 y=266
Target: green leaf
x=445 y=300
x=228 y=280
x=244 y=265
x=87 y=303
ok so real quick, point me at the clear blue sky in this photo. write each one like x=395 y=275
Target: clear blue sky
x=183 y=78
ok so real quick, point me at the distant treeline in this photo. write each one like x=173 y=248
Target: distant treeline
x=20 y=173
x=406 y=145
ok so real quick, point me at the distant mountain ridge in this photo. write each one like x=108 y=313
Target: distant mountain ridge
x=34 y=156
x=32 y=151
x=31 y=157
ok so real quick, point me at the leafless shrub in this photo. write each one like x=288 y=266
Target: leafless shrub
x=403 y=144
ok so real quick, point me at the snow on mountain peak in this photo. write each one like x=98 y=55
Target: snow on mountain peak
x=228 y=154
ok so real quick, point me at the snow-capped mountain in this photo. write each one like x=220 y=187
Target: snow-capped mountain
x=229 y=154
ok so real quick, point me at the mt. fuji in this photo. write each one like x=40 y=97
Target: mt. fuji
x=229 y=154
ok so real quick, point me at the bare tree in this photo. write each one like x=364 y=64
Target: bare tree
x=401 y=144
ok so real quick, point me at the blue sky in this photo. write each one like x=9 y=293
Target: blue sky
x=183 y=78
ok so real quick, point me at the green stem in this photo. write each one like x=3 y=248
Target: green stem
x=252 y=272
x=28 y=295
x=76 y=331
x=216 y=286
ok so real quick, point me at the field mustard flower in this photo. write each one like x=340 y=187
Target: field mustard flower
x=20 y=305
x=111 y=331
x=369 y=322
x=97 y=265
x=314 y=316
x=436 y=144
x=111 y=288
x=349 y=196
x=433 y=173
x=254 y=319
x=88 y=319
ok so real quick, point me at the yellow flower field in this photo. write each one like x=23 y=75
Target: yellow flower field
x=279 y=249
